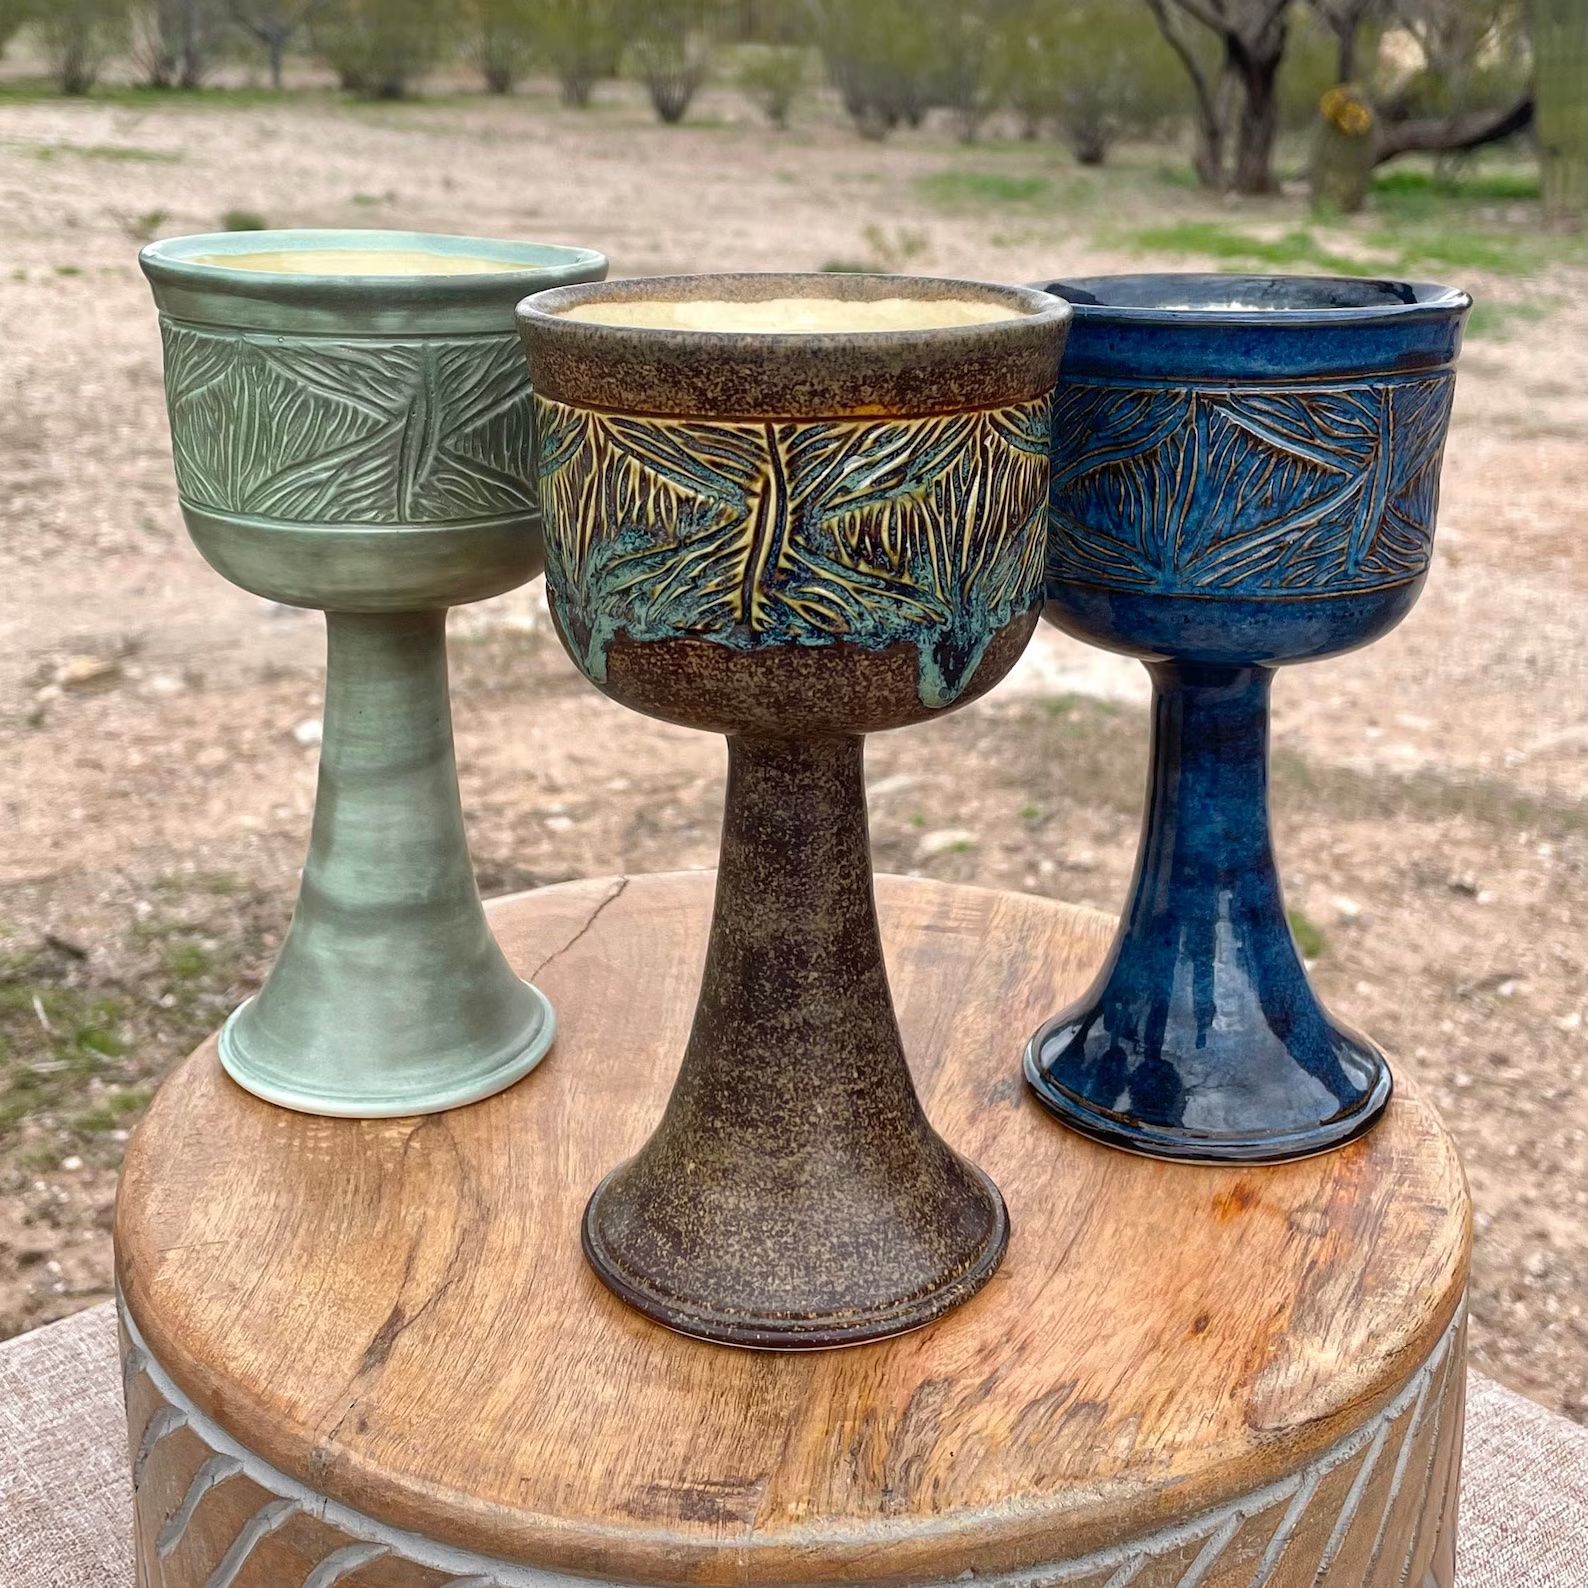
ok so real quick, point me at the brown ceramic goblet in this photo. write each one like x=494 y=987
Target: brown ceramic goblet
x=794 y=510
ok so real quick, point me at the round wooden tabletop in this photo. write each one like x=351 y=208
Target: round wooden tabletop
x=396 y=1315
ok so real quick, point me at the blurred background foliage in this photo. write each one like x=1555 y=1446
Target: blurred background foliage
x=1365 y=81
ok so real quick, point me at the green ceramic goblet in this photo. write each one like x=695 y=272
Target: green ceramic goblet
x=351 y=424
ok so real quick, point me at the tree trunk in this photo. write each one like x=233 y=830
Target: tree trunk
x=1258 y=126
x=1254 y=142
x=1345 y=64
x=1560 y=54
x=1209 y=158
x=277 y=46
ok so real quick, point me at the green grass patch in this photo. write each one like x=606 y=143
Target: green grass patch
x=185 y=960
x=54 y=1038
x=1406 y=185
x=1426 y=795
x=1309 y=937
x=1080 y=711
x=1462 y=248
x=113 y=1111
x=1399 y=250
x=114 y=152
x=244 y=221
x=33 y=90
x=1494 y=322
x=1219 y=240
x=953 y=190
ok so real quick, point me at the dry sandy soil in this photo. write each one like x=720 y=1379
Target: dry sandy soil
x=1429 y=791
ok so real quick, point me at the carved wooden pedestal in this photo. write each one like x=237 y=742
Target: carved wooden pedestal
x=371 y=1355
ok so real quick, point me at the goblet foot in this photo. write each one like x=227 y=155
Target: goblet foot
x=1174 y=1095
x=880 y=1272
x=390 y=995
x=794 y=1195
x=343 y=1073
x=1202 y=1038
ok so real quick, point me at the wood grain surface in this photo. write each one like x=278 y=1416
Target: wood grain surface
x=396 y=1314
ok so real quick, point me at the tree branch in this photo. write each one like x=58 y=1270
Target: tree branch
x=1469 y=129
x=1213 y=20
x=1199 y=83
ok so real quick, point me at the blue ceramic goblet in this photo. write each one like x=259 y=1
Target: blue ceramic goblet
x=1245 y=473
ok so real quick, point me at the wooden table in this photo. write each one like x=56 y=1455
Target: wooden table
x=371 y=1355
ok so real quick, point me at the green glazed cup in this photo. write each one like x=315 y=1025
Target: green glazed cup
x=352 y=430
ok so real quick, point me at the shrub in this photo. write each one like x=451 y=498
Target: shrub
x=381 y=48
x=175 y=43
x=671 y=51
x=881 y=60
x=967 y=41
x=581 y=40
x=13 y=13
x=78 y=37
x=1088 y=68
x=501 y=36
x=244 y=221
x=772 y=78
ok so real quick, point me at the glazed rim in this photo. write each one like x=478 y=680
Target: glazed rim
x=885 y=373
x=1024 y=303
x=1169 y=298
x=181 y=261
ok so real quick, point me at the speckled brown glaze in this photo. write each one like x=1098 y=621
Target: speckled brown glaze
x=831 y=689
x=946 y=369
x=795 y=1194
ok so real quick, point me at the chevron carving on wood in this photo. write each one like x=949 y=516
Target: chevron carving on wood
x=1374 y=1510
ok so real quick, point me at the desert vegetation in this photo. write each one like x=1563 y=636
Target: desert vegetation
x=1368 y=82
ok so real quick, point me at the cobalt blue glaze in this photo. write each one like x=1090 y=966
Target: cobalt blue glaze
x=1245 y=473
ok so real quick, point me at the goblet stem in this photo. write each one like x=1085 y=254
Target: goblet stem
x=794 y=1194
x=1202 y=1037
x=794 y=972
x=390 y=995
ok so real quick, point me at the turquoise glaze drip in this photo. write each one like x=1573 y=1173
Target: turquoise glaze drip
x=928 y=532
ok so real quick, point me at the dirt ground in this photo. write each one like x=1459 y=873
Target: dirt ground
x=156 y=725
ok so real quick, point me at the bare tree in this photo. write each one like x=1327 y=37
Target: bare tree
x=275 y=23
x=1243 y=96
x=176 y=42
x=1346 y=20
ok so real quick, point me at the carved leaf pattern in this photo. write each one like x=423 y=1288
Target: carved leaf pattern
x=1247 y=490
x=794 y=532
x=310 y=430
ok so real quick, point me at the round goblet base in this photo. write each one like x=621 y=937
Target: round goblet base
x=685 y=1310
x=1226 y=1112
x=446 y=1079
